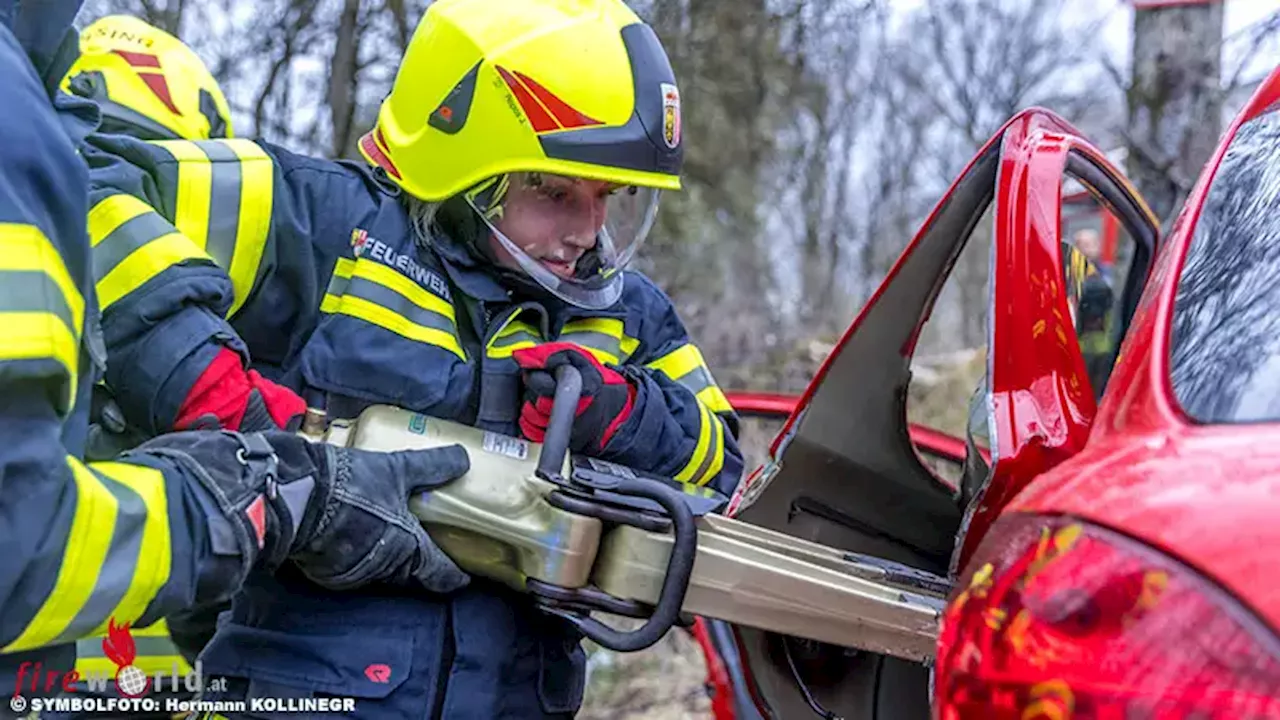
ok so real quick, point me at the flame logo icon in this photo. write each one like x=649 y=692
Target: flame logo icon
x=118 y=646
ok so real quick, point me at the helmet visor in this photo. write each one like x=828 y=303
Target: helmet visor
x=571 y=235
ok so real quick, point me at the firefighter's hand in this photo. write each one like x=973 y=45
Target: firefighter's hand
x=340 y=515
x=608 y=397
x=358 y=529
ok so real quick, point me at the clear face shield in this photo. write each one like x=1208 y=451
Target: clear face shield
x=571 y=235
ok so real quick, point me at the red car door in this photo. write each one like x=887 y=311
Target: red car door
x=1042 y=393
x=846 y=471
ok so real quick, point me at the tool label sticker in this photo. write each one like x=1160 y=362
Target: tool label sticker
x=506 y=445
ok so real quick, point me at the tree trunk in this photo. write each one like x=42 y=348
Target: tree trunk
x=342 y=77
x=1175 y=99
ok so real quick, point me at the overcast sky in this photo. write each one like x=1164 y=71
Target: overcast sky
x=1119 y=13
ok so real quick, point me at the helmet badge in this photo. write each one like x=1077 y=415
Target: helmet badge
x=670 y=115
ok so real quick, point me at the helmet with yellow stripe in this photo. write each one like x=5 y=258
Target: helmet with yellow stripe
x=147 y=83
x=552 y=125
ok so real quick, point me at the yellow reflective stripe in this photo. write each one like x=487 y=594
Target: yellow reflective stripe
x=195 y=189
x=388 y=278
x=398 y=324
x=686 y=366
x=132 y=243
x=24 y=248
x=602 y=337
x=713 y=397
x=151 y=571
x=679 y=362
x=86 y=550
x=257 y=182
x=342 y=271
x=145 y=263
x=717 y=450
x=371 y=290
x=111 y=213
x=518 y=336
x=38 y=335
x=690 y=472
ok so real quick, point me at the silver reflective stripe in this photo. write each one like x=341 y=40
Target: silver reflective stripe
x=224 y=202
x=34 y=291
x=710 y=457
x=598 y=341
x=696 y=380
x=338 y=285
x=519 y=336
x=391 y=300
x=116 y=575
x=147 y=646
x=125 y=239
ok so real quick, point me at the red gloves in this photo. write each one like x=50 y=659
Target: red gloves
x=607 y=396
x=229 y=397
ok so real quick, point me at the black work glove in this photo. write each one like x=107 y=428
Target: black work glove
x=340 y=515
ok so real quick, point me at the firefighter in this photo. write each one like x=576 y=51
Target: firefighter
x=149 y=85
x=182 y=519
x=513 y=172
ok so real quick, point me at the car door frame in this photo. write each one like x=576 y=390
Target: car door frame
x=1041 y=405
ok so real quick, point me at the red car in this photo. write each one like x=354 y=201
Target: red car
x=1111 y=541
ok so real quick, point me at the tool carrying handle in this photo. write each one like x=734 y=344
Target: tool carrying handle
x=674 y=584
x=679 y=567
x=564 y=408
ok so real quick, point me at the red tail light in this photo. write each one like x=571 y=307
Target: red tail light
x=1059 y=620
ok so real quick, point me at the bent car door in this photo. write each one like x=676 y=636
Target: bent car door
x=848 y=471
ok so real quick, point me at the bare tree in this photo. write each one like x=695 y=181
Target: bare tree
x=1174 y=98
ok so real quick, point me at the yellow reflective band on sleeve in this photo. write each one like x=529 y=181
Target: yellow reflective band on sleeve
x=145 y=263
x=602 y=337
x=695 y=471
x=132 y=243
x=41 y=309
x=195 y=188
x=512 y=336
x=337 y=284
x=381 y=296
x=87 y=544
x=686 y=366
x=224 y=202
x=37 y=335
x=112 y=212
x=151 y=570
x=257 y=173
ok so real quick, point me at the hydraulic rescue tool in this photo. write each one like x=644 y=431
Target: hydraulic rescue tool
x=583 y=535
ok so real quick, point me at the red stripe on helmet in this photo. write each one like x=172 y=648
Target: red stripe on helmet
x=372 y=143
x=138 y=59
x=568 y=117
x=160 y=87
x=539 y=118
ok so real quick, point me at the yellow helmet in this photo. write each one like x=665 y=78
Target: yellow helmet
x=577 y=88
x=147 y=82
